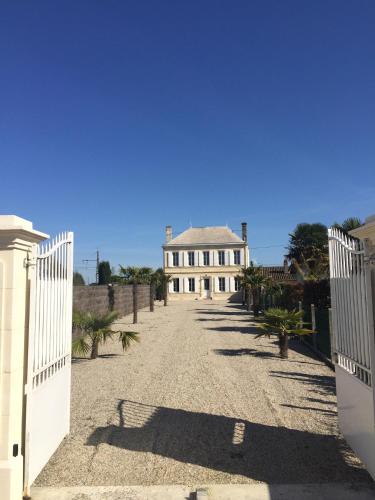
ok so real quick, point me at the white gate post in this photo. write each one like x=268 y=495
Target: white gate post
x=17 y=237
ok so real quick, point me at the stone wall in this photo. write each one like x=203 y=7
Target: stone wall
x=102 y=299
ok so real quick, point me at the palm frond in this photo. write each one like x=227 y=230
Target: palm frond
x=127 y=337
x=80 y=346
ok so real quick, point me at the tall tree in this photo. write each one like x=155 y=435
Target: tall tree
x=104 y=272
x=349 y=224
x=78 y=279
x=308 y=251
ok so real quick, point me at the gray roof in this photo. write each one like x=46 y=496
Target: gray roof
x=206 y=235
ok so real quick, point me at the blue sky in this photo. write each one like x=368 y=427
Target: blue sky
x=119 y=117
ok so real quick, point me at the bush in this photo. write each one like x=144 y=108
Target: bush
x=290 y=296
x=317 y=293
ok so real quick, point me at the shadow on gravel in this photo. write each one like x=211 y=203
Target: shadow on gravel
x=321 y=384
x=314 y=409
x=219 y=313
x=76 y=360
x=235 y=329
x=258 y=451
x=245 y=352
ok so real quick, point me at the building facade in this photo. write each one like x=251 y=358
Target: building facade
x=205 y=262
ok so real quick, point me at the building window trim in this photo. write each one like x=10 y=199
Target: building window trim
x=191 y=258
x=221 y=283
x=176 y=285
x=176 y=259
x=221 y=257
x=206 y=258
x=237 y=257
x=191 y=283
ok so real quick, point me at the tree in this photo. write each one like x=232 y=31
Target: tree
x=305 y=239
x=308 y=251
x=131 y=274
x=78 y=279
x=252 y=281
x=349 y=224
x=96 y=330
x=165 y=279
x=105 y=273
x=283 y=323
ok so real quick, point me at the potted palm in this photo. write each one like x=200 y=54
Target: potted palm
x=95 y=330
x=283 y=323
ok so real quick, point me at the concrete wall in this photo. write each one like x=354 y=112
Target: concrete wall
x=103 y=299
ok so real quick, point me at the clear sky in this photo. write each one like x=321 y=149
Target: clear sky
x=119 y=117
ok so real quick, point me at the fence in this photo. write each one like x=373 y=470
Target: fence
x=318 y=319
x=102 y=299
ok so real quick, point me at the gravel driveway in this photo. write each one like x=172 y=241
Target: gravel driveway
x=199 y=400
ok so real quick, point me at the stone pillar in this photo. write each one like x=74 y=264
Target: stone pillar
x=17 y=238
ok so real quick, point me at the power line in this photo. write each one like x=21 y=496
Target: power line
x=268 y=246
x=97 y=265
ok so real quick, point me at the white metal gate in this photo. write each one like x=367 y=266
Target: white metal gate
x=49 y=352
x=353 y=338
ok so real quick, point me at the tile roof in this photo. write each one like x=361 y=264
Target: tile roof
x=206 y=235
x=277 y=273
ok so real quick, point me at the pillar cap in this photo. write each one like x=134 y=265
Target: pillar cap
x=14 y=228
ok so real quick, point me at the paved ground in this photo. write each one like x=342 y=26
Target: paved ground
x=201 y=401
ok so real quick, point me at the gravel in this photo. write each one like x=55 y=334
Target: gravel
x=200 y=400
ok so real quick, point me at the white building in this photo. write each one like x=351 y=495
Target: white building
x=204 y=262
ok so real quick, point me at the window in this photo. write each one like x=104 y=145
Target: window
x=237 y=284
x=176 y=285
x=206 y=258
x=191 y=258
x=191 y=284
x=221 y=284
x=175 y=259
x=221 y=257
x=237 y=257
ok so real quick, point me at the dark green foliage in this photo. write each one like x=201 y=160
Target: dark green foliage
x=308 y=251
x=283 y=323
x=305 y=239
x=349 y=224
x=78 y=279
x=290 y=296
x=317 y=293
x=105 y=273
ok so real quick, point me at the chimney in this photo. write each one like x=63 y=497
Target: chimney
x=286 y=266
x=244 y=231
x=168 y=233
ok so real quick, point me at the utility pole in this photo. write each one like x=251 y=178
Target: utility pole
x=97 y=265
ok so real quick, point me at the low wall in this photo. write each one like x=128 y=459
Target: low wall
x=102 y=299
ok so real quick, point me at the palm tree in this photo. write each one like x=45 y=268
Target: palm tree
x=96 y=330
x=283 y=323
x=313 y=268
x=165 y=279
x=252 y=281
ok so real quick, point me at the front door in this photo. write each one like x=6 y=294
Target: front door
x=206 y=288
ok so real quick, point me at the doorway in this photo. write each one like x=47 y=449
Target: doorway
x=206 y=288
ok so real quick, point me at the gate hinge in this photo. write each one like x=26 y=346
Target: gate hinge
x=29 y=261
